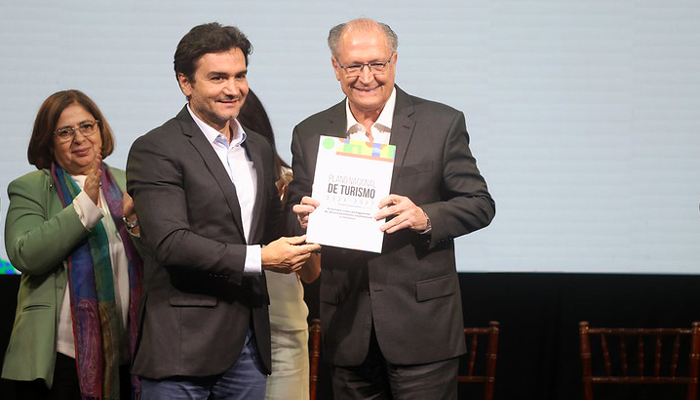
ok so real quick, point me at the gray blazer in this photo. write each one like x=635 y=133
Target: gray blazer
x=410 y=292
x=197 y=304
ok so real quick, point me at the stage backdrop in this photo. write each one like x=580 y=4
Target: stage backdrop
x=583 y=115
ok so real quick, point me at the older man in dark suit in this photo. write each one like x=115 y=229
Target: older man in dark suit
x=204 y=187
x=392 y=322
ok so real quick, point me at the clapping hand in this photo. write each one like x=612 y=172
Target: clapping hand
x=92 y=181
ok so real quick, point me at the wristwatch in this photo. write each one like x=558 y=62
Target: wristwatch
x=130 y=224
x=429 y=226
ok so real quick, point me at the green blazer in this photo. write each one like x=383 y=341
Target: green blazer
x=39 y=235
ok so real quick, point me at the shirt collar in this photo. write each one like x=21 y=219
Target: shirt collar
x=383 y=123
x=238 y=135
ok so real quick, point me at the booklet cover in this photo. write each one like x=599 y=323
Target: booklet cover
x=351 y=178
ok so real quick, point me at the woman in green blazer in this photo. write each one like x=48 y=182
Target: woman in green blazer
x=69 y=230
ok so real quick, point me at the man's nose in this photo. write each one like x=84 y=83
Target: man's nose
x=231 y=88
x=366 y=73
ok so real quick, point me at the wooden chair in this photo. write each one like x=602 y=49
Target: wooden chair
x=314 y=356
x=488 y=378
x=625 y=360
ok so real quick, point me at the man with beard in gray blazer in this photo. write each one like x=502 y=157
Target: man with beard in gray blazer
x=204 y=187
x=392 y=322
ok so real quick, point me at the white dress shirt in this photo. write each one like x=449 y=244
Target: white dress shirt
x=243 y=176
x=381 y=129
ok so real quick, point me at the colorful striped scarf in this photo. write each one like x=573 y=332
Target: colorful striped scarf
x=97 y=327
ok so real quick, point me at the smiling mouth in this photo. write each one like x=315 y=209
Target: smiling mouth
x=366 y=90
x=230 y=100
x=82 y=152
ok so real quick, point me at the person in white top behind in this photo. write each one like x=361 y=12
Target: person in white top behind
x=288 y=311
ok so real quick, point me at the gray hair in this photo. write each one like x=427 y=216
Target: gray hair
x=361 y=24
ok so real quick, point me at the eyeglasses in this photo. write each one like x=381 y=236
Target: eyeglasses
x=86 y=128
x=375 y=67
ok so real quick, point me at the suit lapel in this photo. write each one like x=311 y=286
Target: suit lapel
x=213 y=165
x=337 y=121
x=401 y=131
x=335 y=125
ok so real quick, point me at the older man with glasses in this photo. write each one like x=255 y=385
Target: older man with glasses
x=393 y=321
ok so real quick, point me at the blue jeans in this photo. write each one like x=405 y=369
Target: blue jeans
x=243 y=380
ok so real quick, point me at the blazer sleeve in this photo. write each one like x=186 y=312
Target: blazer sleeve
x=180 y=228
x=37 y=241
x=466 y=205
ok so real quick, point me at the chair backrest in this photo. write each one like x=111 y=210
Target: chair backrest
x=314 y=356
x=487 y=376
x=640 y=356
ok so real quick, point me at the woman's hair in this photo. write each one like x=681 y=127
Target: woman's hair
x=254 y=116
x=40 y=151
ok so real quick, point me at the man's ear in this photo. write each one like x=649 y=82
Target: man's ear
x=336 y=68
x=185 y=84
